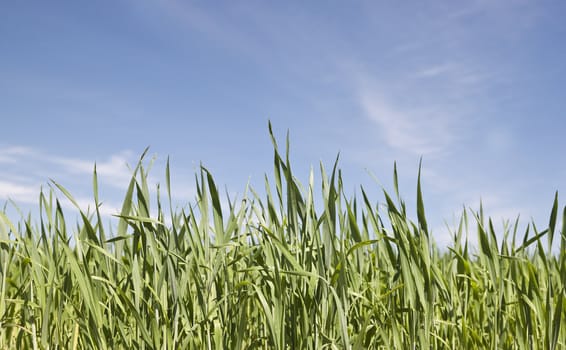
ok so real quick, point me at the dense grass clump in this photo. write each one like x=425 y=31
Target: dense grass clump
x=274 y=272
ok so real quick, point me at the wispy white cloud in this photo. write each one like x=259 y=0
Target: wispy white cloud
x=419 y=131
x=514 y=15
x=19 y=192
x=29 y=169
x=457 y=75
x=113 y=171
x=11 y=154
x=219 y=26
x=272 y=37
x=435 y=70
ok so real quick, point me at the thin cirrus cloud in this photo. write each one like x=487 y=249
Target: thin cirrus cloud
x=417 y=131
x=435 y=70
x=113 y=171
x=11 y=154
x=23 y=178
x=19 y=192
x=437 y=100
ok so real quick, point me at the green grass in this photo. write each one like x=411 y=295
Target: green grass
x=278 y=271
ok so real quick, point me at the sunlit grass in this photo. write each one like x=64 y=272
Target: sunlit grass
x=275 y=272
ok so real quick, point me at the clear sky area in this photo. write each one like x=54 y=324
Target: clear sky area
x=476 y=88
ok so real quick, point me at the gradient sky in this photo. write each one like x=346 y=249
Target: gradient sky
x=477 y=88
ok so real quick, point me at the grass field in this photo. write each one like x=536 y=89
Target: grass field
x=275 y=272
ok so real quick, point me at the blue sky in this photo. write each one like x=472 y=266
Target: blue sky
x=475 y=88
